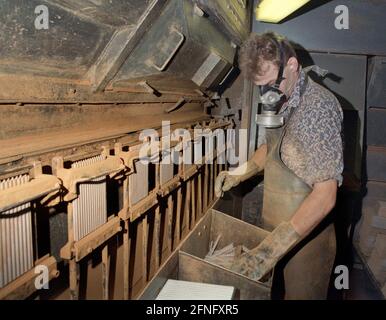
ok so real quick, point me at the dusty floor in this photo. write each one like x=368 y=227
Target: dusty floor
x=362 y=286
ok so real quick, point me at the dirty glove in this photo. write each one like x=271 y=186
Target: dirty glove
x=259 y=261
x=226 y=180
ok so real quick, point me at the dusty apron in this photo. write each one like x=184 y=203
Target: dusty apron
x=304 y=273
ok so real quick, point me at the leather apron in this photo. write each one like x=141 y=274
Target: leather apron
x=304 y=273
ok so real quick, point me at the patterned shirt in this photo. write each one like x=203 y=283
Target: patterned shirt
x=312 y=145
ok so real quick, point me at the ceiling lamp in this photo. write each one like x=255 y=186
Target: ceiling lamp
x=276 y=10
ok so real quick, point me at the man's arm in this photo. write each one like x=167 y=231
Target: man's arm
x=253 y=166
x=315 y=207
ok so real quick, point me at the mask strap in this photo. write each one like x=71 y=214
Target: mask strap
x=279 y=78
x=318 y=70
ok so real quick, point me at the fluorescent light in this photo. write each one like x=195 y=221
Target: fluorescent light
x=276 y=10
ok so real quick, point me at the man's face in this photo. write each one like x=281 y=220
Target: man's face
x=270 y=72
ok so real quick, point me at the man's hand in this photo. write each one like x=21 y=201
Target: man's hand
x=249 y=266
x=225 y=182
x=261 y=260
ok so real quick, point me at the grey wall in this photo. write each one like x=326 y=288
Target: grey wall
x=376 y=122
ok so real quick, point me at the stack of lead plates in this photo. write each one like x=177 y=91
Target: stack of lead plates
x=185 y=290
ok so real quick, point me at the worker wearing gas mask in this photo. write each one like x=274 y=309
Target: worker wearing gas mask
x=302 y=159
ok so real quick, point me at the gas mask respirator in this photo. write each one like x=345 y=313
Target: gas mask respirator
x=272 y=99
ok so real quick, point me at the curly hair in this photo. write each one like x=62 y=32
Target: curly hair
x=259 y=48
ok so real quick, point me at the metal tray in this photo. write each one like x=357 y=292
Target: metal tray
x=188 y=263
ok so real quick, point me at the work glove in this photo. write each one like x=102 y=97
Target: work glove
x=225 y=182
x=261 y=260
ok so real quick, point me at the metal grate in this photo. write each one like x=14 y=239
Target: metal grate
x=16 y=239
x=90 y=208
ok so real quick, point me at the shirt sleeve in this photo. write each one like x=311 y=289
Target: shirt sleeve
x=324 y=161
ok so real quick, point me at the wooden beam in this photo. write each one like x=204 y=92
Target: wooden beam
x=144 y=248
x=170 y=223
x=126 y=261
x=105 y=271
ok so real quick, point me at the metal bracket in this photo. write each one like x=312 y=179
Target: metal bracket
x=177 y=36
